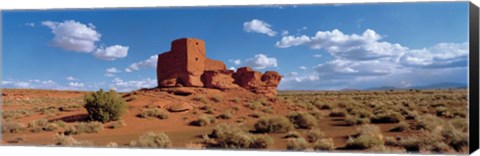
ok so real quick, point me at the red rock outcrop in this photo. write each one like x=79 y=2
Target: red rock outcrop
x=219 y=79
x=186 y=65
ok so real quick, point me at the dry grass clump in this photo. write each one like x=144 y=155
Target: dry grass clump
x=152 y=139
x=411 y=144
x=154 y=112
x=117 y=124
x=386 y=116
x=256 y=114
x=324 y=144
x=297 y=144
x=429 y=122
x=84 y=127
x=226 y=115
x=369 y=136
x=196 y=146
x=12 y=127
x=216 y=98
x=292 y=134
x=277 y=124
x=203 y=120
x=401 y=126
x=351 y=120
x=303 y=120
x=200 y=99
x=315 y=135
x=15 y=114
x=62 y=140
x=337 y=112
x=37 y=125
x=227 y=136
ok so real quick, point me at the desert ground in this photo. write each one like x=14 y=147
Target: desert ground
x=426 y=121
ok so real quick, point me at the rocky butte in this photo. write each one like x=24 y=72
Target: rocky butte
x=186 y=65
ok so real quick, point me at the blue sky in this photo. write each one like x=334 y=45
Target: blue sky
x=315 y=47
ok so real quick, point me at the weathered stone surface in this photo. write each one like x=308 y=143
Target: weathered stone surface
x=214 y=65
x=186 y=65
x=181 y=107
x=265 y=84
x=219 y=79
x=271 y=78
x=183 y=65
x=247 y=78
x=266 y=91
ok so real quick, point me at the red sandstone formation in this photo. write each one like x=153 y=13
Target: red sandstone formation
x=186 y=65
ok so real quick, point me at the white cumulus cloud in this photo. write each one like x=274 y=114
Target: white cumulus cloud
x=236 y=61
x=71 y=78
x=73 y=36
x=438 y=56
x=259 y=26
x=148 y=63
x=365 y=60
x=121 y=85
x=261 y=61
x=111 y=53
x=78 y=37
x=355 y=47
x=110 y=72
x=75 y=84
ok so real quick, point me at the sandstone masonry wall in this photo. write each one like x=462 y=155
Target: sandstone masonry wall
x=186 y=65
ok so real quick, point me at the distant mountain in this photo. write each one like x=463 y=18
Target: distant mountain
x=383 y=88
x=444 y=85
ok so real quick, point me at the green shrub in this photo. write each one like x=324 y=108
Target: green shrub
x=273 y=125
x=104 y=106
x=84 y=127
x=151 y=139
x=314 y=135
x=154 y=112
x=303 y=120
x=324 y=144
x=297 y=144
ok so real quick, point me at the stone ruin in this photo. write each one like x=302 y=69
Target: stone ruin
x=186 y=65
